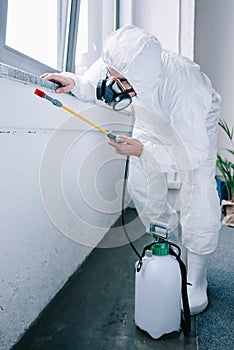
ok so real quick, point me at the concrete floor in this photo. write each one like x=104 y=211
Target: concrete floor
x=95 y=309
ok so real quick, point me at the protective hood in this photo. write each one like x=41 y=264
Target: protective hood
x=135 y=54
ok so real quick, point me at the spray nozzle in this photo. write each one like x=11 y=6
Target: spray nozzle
x=42 y=94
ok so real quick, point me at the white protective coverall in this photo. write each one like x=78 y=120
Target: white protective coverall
x=172 y=92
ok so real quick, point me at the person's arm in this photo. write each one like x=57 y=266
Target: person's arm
x=82 y=86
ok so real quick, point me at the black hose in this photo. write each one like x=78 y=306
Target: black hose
x=123 y=207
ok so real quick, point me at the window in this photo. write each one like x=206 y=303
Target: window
x=55 y=35
x=34 y=34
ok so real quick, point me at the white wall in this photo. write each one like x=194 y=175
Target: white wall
x=214 y=51
x=171 y=21
x=57 y=198
x=161 y=19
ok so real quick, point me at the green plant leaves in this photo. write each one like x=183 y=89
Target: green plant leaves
x=225 y=166
x=225 y=127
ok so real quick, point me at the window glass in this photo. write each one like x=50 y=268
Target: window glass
x=32 y=29
x=81 y=60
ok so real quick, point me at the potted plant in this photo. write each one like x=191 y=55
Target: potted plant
x=226 y=168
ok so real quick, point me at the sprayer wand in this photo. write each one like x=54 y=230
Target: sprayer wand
x=57 y=103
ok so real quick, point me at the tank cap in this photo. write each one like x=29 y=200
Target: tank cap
x=160 y=249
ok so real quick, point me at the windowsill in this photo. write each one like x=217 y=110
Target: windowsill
x=12 y=73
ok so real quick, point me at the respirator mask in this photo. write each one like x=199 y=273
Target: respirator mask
x=112 y=91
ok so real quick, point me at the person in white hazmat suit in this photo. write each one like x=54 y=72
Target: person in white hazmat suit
x=179 y=103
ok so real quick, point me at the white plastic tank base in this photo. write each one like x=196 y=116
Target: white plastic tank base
x=158 y=296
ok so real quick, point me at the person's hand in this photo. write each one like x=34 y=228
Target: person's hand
x=67 y=84
x=128 y=147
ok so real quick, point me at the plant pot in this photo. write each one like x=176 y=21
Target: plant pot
x=228 y=210
x=221 y=188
